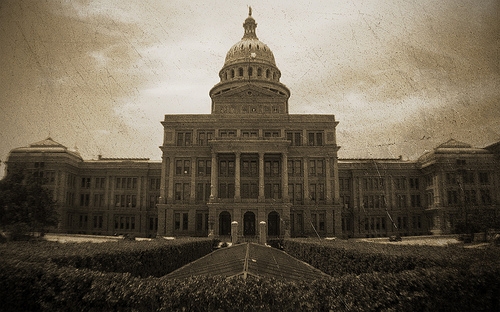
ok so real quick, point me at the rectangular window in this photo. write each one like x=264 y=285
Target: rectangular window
x=84 y=200
x=250 y=133
x=177 y=221
x=452 y=197
x=295 y=137
x=184 y=138
x=468 y=177
x=154 y=184
x=316 y=192
x=185 y=221
x=484 y=178
x=226 y=168
x=100 y=183
x=414 y=183
x=153 y=201
x=182 y=191
x=294 y=167
x=126 y=183
x=204 y=137
x=400 y=183
x=181 y=221
x=97 y=222
x=202 y=191
x=85 y=183
x=272 y=133
x=183 y=167
x=98 y=200
x=315 y=138
x=401 y=201
x=153 y=224
x=415 y=200
x=485 y=197
x=249 y=190
x=227 y=133
x=470 y=197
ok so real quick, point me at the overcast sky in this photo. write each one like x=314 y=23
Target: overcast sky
x=401 y=77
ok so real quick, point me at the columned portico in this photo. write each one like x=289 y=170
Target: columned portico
x=232 y=164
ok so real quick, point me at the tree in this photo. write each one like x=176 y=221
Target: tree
x=25 y=205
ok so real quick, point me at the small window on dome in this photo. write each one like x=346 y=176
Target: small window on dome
x=258 y=48
x=259 y=71
x=240 y=71
x=232 y=73
x=267 y=73
x=250 y=46
x=250 y=71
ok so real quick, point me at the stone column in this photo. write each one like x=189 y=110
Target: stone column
x=213 y=178
x=337 y=215
x=261 y=177
x=330 y=196
x=192 y=196
x=234 y=232
x=170 y=195
x=237 y=177
x=305 y=188
x=284 y=177
x=262 y=233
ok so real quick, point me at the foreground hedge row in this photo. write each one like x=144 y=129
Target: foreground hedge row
x=48 y=287
x=154 y=258
x=338 y=258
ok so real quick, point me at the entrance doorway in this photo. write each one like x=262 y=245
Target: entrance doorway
x=273 y=224
x=224 y=223
x=249 y=224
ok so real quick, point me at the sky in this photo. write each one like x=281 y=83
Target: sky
x=401 y=77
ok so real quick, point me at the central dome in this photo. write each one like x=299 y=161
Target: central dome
x=249 y=48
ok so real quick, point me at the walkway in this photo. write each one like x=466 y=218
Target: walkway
x=249 y=259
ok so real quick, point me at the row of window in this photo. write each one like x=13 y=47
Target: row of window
x=377 y=183
x=250 y=190
x=467 y=177
x=121 y=222
x=239 y=72
x=313 y=138
x=471 y=196
x=249 y=167
x=126 y=200
x=370 y=224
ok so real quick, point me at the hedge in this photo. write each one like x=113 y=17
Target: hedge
x=47 y=287
x=338 y=258
x=366 y=277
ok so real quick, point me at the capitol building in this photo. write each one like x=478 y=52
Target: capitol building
x=251 y=161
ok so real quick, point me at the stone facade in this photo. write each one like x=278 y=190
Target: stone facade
x=250 y=160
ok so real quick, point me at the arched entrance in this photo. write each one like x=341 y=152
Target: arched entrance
x=224 y=223
x=273 y=224
x=249 y=224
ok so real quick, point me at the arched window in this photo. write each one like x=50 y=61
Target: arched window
x=274 y=76
x=250 y=71
x=240 y=72
x=225 y=75
x=267 y=73
x=259 y=71
x=232 y=73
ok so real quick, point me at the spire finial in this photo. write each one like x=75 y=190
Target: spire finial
x=250 y=26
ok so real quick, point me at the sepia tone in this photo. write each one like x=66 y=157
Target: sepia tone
x=251 y=160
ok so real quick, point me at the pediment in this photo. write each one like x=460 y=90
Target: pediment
x=250 y=91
